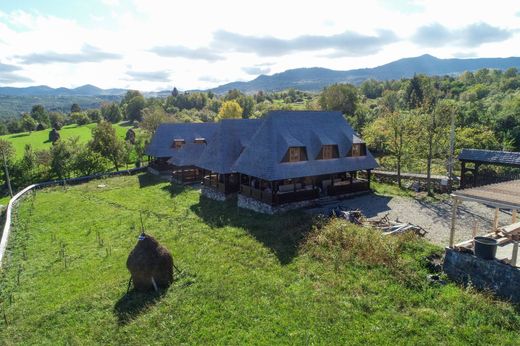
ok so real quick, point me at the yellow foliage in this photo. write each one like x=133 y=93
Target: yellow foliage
x=230 y=110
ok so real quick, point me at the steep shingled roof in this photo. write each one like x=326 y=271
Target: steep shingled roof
x=188 y=155
x=491 y=156
x=226 y=144
x=311 y=129
x=160 y=145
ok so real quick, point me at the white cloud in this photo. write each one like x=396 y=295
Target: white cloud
x=162 y=39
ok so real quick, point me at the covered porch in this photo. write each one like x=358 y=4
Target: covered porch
x=223 y=183
x=285 y=191
x=187 y=174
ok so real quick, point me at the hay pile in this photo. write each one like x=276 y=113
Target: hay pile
x=150 y=262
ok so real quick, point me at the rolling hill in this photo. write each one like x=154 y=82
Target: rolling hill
x=316 y=78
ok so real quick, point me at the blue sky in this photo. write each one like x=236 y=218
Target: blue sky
x=158 y=44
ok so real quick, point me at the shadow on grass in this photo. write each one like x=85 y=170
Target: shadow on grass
x=23 y=134
x=147 y=179
x=282 y=234
x=134 y=303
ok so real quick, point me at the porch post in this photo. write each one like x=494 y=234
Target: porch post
x=453 y=220
x=369 y=173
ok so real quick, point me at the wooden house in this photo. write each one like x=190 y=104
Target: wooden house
x=169 y=143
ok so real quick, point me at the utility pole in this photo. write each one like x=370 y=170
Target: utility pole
x=7 y=175
x=452 y=152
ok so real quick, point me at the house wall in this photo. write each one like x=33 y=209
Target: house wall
x=214 y=194
x=493 y=275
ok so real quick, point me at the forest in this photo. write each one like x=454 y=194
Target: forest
x=406 y=123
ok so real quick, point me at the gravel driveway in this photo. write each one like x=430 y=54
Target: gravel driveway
x=434 y=217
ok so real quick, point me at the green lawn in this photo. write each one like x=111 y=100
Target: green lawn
x=245 y=278
x=40 y=139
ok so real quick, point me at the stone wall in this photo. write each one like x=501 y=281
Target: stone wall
x=264 y=208
x=213 y=194
x=493 y=275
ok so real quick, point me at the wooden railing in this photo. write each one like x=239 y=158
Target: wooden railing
x=347 y=188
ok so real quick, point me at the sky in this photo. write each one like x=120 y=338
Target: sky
x=153 y=45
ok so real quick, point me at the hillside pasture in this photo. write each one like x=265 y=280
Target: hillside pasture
x=244 y=278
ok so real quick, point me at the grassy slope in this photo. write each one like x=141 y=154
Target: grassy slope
x=39 y=139
x=244 y=280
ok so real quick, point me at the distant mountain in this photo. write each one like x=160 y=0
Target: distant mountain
x=43 y=90
x=316 y=78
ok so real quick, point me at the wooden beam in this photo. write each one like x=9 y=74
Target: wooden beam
x=453 y=220
x=514 y=256
x=514 y=215
x=495 y=220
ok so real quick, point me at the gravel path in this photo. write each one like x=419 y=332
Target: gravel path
x=434 y=217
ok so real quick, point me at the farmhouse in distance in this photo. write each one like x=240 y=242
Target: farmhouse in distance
x=287 y=160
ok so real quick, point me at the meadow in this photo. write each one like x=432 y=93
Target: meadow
x=244 y=278
x=40 y=139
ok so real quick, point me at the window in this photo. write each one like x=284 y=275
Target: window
x=295 y=154
x=328 y=152
x=358 y=149
x=178 y=143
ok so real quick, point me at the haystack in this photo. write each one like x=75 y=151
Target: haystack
x=150 y=264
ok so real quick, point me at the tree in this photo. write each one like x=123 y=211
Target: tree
x=134 y=108
x=339 y=97
x=130 y=94
x=393 y=132
x=75 y=108
x=105 y=142
x=27 y=166
x=230 y=110
x=57 y=120
x=7 y=152
x=88 y=162
x=414 y=94
x=80 y=118
x=39 y=114
x=28 y=123
x=63 y=157
x=111 y=112
x=94 y=115
x=152 y=118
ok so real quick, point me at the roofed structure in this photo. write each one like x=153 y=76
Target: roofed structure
x=161 y=144
x=227 y=143
x=495 y=157
x=311 y=130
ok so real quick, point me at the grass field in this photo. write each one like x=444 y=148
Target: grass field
x=40 y=139
x=245 y=278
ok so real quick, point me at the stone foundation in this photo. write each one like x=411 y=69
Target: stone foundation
x=214 y=194
x=493 y=275
x=264 y=208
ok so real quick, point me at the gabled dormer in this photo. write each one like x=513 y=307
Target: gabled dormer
x=200 y=140
x=295 y=154
x=357 y=150
x=178 y=143
x=327 y=152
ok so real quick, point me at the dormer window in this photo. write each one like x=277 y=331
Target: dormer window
x=328 y=152
x=295 y=154
x=200 y=140
x=178 y=143
x=358 y=149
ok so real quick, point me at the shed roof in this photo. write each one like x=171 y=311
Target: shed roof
x=311 y=129
x=500 y=195
x=227 y=143
x=160 y=145
x=491 y=156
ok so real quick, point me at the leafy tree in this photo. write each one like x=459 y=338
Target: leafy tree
x=75 y=108
x=130 y=94
x=230 y=110
x=152 y=118
x=80 y=118
x=111 y=112
x=107 y=144
x=7 y=153
x=28 y=123
x=57 y=120
x=63 y=156
x=339 y=97
x=39 y=114
x=13 y=126
x=414 y=94
x=27 y=166
x=371 y=88
x=134 y=108
x=3 y=129
x=94 y=115
x=88 y=162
